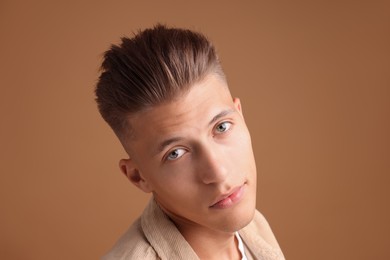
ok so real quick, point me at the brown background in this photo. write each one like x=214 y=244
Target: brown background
x=314 y=82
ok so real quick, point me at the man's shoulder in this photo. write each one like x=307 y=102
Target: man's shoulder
x=132 y=245
x=152 y=236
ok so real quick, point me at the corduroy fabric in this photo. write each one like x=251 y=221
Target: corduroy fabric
x=154 y=236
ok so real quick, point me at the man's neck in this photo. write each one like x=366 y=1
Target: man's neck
x=211 y=244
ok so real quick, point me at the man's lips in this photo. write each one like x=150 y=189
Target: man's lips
x=229 y=199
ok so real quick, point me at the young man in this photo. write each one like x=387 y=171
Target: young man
x=165 y=95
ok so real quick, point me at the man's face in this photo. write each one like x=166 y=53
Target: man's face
x=195 y=155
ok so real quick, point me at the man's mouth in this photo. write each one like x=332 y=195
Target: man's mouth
x=229 y=199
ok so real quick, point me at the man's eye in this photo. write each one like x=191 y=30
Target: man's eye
x=175 y=154
x=223 y=127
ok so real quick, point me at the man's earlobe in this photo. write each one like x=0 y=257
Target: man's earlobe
x=133 y=174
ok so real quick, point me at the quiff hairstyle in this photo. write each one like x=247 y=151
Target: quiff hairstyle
x=153 y=67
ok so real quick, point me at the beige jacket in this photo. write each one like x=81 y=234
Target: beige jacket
x=154 y=236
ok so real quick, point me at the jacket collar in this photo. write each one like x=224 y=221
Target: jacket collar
x=255 y=243
x=163 y=235
x=168 y=242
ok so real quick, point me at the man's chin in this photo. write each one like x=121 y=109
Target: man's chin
x=232 y=224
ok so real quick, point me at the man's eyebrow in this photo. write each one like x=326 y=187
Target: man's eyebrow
x=220 y=115
x=169 y=141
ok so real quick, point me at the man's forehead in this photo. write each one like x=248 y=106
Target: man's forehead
x=168 y=120
x=203 y=102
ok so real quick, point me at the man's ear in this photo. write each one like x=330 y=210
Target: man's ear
x=129 y=169
x=237 y=105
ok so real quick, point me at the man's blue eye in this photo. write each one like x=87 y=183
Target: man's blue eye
x=175 y=154
x=223 y=127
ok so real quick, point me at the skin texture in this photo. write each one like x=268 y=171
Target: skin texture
x=192 y=153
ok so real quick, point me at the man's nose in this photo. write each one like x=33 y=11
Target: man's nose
x=213 y=166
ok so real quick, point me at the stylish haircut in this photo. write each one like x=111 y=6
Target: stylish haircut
x=153 y=67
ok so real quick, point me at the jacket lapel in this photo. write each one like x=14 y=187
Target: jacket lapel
x=163 y=235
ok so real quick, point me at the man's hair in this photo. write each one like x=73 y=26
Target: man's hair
x=154 y=67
